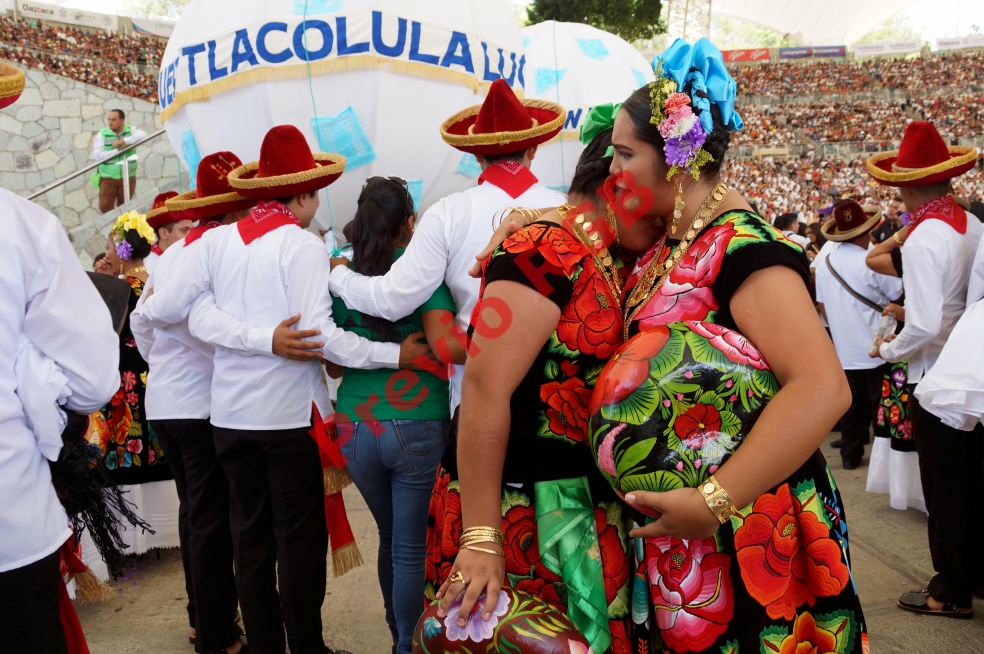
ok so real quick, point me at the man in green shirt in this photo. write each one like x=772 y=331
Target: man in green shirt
x=116 y=136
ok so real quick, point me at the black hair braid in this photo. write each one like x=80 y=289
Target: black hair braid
x=593 y=166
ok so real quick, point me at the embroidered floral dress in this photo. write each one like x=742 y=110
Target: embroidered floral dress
x=127 y=445
x=777 y=577
x=548 y=429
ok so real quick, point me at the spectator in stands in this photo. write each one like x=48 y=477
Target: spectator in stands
x=892 y=222
x=853 y=321
x=817 y=239
x=787 y=224
x=117 y=135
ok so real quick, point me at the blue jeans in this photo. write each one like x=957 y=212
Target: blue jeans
x=393 y=463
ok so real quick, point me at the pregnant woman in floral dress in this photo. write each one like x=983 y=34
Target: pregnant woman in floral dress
x=775 y=577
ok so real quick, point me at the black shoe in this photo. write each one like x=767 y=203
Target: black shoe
x=916 y=602
x=851 y=465
x=837 y=444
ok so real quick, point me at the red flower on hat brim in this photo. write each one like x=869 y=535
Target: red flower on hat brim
x=11 y=84
x=548 y=119
x=188 y=206
x=328 y=168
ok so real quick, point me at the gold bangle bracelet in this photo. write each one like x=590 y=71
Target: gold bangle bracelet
x=480 y=539
x=898 y=239
x=717 y=500
x=482 y=549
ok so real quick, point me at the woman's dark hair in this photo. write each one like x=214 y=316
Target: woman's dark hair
x=383 y=208
x=639 y=108
x=592 y=167
x=815 y=229
x=141 y=248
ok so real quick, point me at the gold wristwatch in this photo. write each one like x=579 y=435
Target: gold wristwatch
x=717 y=499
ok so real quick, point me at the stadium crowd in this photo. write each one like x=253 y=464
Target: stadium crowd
x=97 y=72
x=914 y=75
x=70 y=41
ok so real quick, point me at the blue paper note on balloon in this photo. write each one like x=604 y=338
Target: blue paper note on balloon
x=593 y=48
x=344 y=134
x=469 y=166
x=312 y=7
x=416 y=189
x=548 y=78
x=191 y=155
x=640 y=78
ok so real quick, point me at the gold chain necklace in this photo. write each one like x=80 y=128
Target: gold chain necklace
x=645 y=288
x=588 y=235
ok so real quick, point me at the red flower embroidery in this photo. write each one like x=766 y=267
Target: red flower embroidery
x=808 y=638
x=568 y=368
x=621 y=643
x=886 y=389
x=625 y=371
x=691 y=590
x=698 y=423
x=786 y=555
x=522 y=549
x=543 y=589
x=435 y=531
x=452 y=525
x=687 y=294
x=614 y=558
x=567 y=407
x=563 y=249
x=895 y=414
x=525 y=239
x=592 y=323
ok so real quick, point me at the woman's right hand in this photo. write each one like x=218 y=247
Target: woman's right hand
x=482 y=572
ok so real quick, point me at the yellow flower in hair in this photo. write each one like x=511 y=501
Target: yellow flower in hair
x=135 y=221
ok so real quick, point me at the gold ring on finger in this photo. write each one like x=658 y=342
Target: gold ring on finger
x=456 y=577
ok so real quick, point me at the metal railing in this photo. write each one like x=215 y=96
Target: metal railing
x=93 y=166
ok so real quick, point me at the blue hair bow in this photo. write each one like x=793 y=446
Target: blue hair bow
x=703 y=63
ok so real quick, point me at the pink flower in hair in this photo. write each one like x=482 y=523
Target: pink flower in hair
x=676 y=100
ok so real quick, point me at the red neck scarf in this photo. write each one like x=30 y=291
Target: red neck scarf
x=511 y=176
x=156 y=249
x=196 y=233
x=945 y=209
x=266 y=216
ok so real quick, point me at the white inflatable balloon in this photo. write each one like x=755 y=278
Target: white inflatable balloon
x=370 y=79
x=578 y=66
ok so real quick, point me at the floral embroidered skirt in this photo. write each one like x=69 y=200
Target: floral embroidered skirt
x=524 y=570
x=777 y=578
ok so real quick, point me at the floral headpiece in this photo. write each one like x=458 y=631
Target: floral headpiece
x=131 y=221
x=699 y=67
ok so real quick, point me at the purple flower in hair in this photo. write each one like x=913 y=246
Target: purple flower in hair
x=682 y=149
x=124 y=250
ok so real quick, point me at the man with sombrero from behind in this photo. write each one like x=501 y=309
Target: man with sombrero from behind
x=168 y=228
x=178 y=405
x=937 y=257
x=851 y=297
x=259 y=273
x=503 y=134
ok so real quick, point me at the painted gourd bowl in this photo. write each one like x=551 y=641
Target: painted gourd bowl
x=520 y=624
x=674 y=403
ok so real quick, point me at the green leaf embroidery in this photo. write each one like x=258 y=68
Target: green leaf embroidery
x=592 y=374
x=772 y=638
x=551 y=370
x=730 y=423
x=669 y=357
x=637 y=407
x=842 y=625
x=635 y=454
x=554 y=346
x=710 y=397
x=655 y=482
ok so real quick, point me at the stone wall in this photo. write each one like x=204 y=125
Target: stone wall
x=48 y=134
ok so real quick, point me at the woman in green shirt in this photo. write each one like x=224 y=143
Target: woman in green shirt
x=393 y=425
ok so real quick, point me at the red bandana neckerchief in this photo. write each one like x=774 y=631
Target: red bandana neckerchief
x=156 y=249
x=945 y=209
x=196 y=233
x=266 y=216
x=511 y=176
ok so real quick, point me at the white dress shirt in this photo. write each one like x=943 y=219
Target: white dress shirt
x=179 y=380
x=150 y=262
x=936 y=264
x=443 y=249
x=99 y=151
x=278 y=275
x=852 y=323
x=801 y=241
x=47 y=297
x=824 y=252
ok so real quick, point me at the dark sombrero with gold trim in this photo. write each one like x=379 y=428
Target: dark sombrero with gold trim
x=286 y=167
x=213 y=196
x=11 y=84
x=503 y=123
x=159 y=214
x=850 y=221
x=922 y=158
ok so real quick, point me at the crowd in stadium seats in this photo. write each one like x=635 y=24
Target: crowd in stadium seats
x=805 y=184
x=920 y=75
x=91 y=71
x=66 y=40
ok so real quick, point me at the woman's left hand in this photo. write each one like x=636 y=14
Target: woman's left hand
x=685 y=514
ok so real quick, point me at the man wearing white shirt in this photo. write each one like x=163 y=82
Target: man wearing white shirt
x=937 y=257
x=178 y=405
x=503 y=134
x=785 y=224
x=853 y=322
x=47 y=297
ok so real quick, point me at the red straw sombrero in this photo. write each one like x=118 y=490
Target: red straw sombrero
x=11 y=84
x=503 y=124
x=287 y=167
x=213 y=196
x=160 y=215
x=922 y=158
